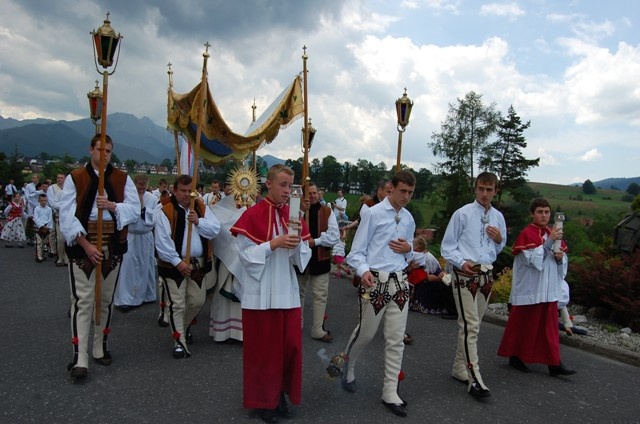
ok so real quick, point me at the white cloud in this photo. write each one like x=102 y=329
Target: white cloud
x=590 y=156
x=547 y=158
x=508 y=10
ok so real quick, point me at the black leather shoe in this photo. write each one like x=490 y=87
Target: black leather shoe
x=161 y=321
x=556 y=370
x=397 y=408
x=123 y=308
x=449 y=316
x=283 y=409
x=408 y=339
x=188 y=337
x=477 y=391
x=325 y=339
x=349 y=386
x=179 y=352
x=78 y=373
x=268 y=415
x=105 y=360
x=517 y=363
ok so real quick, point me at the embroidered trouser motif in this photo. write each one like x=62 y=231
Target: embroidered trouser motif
x=471 y=295
x=83 y=289
x=395 y=322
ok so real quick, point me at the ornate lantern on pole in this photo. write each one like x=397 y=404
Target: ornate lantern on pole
x=403 y=109
x=95 y=106
x=105 y=44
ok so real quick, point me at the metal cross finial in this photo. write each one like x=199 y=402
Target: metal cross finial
x=170 y=72
x=207 y=45
x=108 y=13
x=304 y=52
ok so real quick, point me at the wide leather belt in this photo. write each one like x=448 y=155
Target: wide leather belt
x=394 y=275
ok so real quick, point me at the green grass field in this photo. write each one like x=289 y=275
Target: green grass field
x=604 y=202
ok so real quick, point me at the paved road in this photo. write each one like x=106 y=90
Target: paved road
x=146 y=385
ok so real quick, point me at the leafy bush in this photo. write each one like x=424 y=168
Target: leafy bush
x=611 y=281
x=502 y=286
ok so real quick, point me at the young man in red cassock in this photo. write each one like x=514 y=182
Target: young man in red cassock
x=268 y=291
x=532 y=335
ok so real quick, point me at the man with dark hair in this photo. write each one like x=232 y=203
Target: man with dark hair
x=183 y=263
x=476 y=234
x=323 y=227
x=379 y=253
x=81 y=202
x=214 y=196
x=162 y=186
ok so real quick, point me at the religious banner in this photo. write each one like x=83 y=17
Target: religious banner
x=218 y=142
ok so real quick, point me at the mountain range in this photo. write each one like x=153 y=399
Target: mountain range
x=134 y=138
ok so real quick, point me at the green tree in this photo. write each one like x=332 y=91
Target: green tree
x=504 y=156
x=314 y=169
x=68 y=159
x=165 y=162
x=634 y=189
x=53 y=168
x=131 y=165
x=11 y=168
x=424 y=183
x=462 y=137
x=330 y=174
x=367 y=175
x=296 y=165
x=588 y=187
x=635 y=205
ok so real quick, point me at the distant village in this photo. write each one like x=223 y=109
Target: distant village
x=36 y=166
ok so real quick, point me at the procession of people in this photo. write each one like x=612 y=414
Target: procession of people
x=255 y=260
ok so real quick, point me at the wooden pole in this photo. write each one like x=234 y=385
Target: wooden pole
x=305 y=138
x=177 y=143
x=399 y=149
x=196 y=154
x=103 y=142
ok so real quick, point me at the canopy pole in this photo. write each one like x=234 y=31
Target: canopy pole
x=196 y=155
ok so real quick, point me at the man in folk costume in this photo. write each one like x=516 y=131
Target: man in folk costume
x=183 y=282
x=80 y=202
x=54 y=192
x=531 y=334
x=474 y=237
x=323 y=227
x=379 y=253
x=268 y=291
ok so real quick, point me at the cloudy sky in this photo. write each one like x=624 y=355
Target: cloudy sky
x=572 y=68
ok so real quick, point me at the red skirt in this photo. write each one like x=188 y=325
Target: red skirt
x=271 y=357
x=417 y=276
x=532 y=334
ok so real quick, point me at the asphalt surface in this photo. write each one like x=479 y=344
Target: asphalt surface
x=146 y=385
